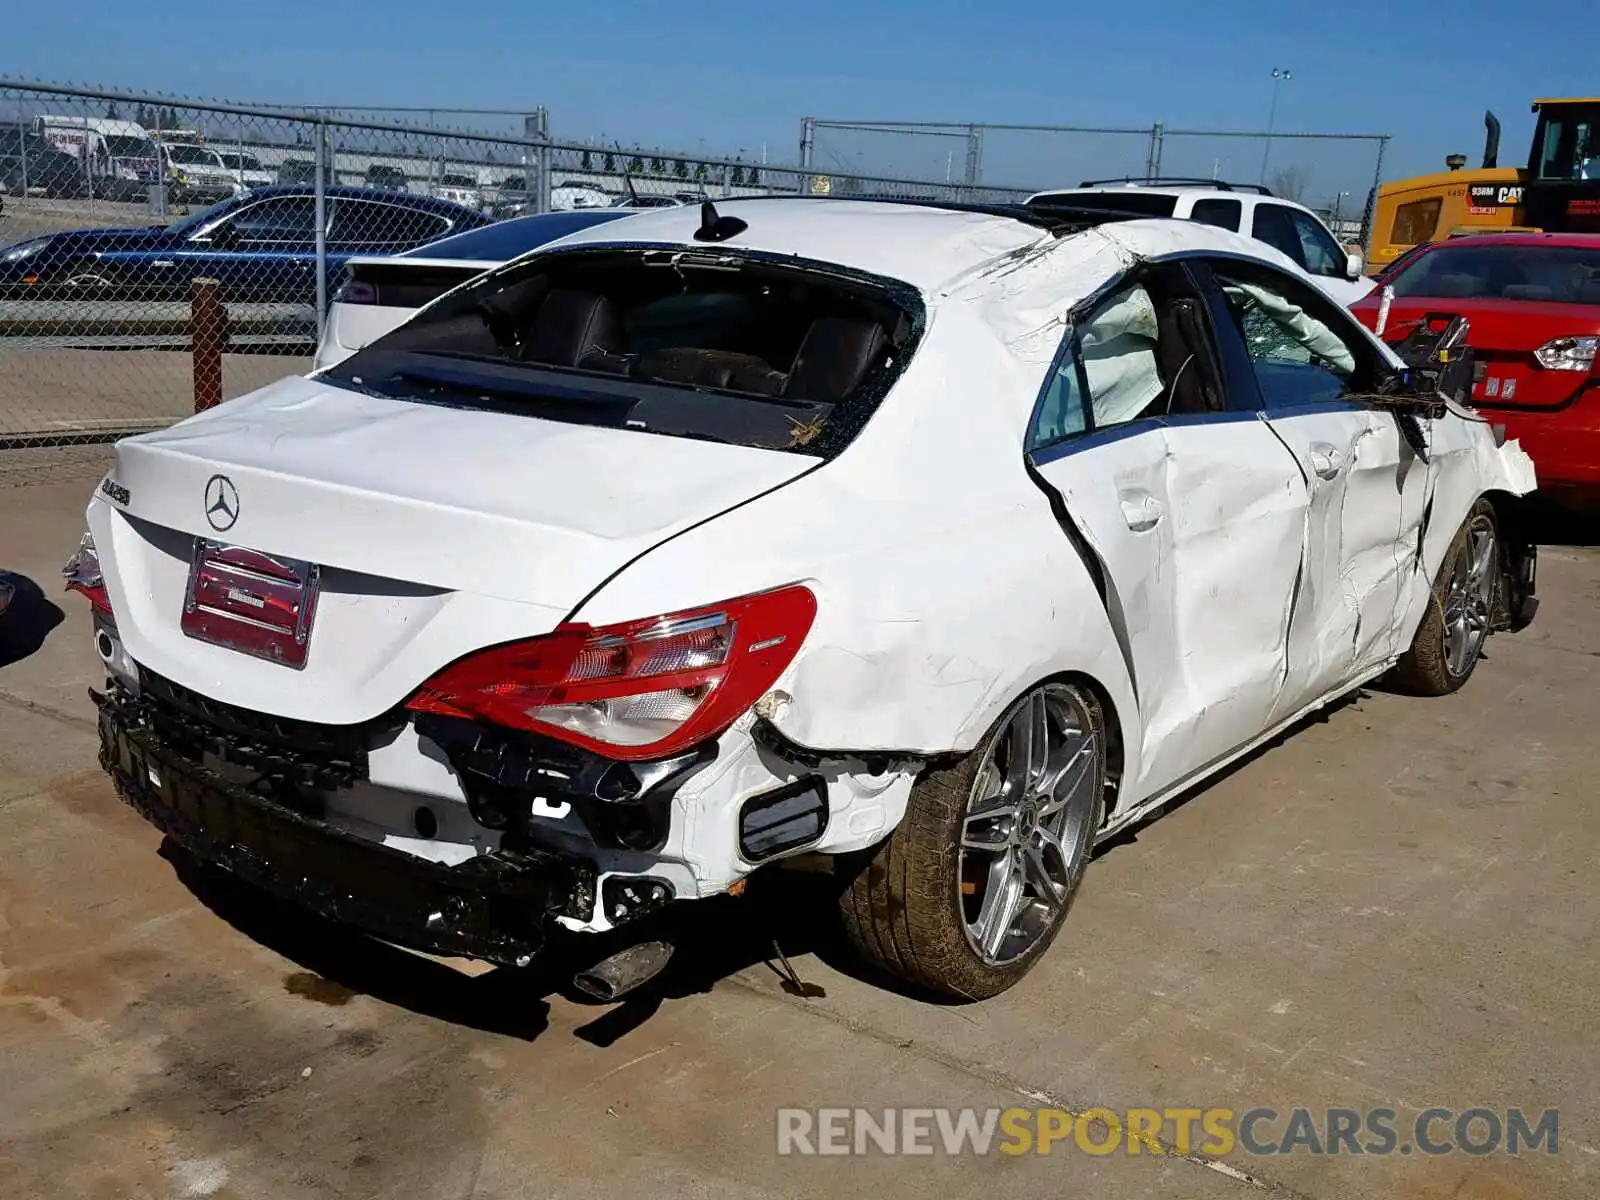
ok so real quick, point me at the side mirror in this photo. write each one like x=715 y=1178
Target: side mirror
x=1354 y=264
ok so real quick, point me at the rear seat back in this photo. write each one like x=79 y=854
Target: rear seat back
x=834 y=357
x=571 y=324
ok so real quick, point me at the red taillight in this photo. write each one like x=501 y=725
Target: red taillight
x=96 y=596
x=643 y=689
x=82 y=575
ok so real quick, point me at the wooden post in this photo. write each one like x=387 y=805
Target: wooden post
x=208 y=327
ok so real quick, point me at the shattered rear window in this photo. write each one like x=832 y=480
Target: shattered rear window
x=750 y=349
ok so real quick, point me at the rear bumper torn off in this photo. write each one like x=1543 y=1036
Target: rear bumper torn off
x=493 y=907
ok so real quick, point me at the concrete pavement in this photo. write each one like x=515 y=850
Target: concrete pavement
x=1393 y=907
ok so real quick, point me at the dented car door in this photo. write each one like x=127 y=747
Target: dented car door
x=1192 y=520
x=1364 y=481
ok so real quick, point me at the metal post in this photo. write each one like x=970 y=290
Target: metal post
x=22 y=146
x=1279 y=74
x=808 y=141
x=974 y=154
x=536 y=128
x=208 y=333
x=1152 y=162
x=1369 y=217
x=321 y=193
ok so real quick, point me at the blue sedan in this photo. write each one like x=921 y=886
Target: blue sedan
x=261 y=246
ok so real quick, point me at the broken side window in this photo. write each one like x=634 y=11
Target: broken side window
x=1299 y=355
x=1144 y=351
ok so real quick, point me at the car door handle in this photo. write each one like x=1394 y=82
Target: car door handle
x=1141 y=510
x=1327 y=461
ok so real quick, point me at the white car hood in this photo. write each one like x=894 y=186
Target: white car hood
x=499 y=504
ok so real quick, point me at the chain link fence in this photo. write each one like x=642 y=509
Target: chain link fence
x=1330 y=172
x=159 y=253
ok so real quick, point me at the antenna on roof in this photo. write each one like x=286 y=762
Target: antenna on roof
x=627 y=175
x=717 y=229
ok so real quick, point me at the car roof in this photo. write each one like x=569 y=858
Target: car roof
x=446 y=208
x=923 y=245
x=931 y=246
x=1218 y=190
x=504 y=240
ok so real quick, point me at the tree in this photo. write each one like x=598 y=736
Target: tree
x=1291 y=183
x=655 y=166
x=700 y=173
x=611 y=162
x=680 y=168
x=737 y=179
x=752 y=176
x=635 y=165
x=111 y=111
x=586 y=161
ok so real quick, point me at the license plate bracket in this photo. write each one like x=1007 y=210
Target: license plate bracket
x=258 y=604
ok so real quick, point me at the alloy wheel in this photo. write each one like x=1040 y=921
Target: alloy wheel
x=1469 y=598
x=1027 y=825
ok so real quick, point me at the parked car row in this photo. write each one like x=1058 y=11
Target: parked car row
x=261 y=245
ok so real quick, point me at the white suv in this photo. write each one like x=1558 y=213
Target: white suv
x=1242 y=208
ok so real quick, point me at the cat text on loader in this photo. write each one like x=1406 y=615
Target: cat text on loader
x=1558 y=191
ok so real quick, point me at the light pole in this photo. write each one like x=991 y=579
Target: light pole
x=1279 y=74
x=1338 y=204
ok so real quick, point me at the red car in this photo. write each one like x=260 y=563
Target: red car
x=1533 y=302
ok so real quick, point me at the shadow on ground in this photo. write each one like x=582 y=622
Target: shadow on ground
x=1554 y=525
x=27 y=620
x=782 y=917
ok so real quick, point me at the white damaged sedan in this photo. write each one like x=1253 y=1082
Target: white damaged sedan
x=929 y=545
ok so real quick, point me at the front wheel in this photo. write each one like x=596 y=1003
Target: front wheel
x=1461 y=611
x=975 y=883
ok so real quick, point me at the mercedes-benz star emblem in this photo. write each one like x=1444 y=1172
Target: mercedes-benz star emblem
x=222 y=503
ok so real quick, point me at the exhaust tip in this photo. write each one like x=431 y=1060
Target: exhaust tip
x=614 y=977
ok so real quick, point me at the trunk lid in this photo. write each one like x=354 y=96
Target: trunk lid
x=504 y=505
x=433 y=532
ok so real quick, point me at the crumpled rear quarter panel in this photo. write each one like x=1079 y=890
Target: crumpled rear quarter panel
x=945 y=587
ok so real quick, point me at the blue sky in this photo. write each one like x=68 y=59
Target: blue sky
x=732 y=77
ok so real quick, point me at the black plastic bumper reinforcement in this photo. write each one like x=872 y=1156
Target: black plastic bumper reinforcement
x=621 y=804
x=492 y=907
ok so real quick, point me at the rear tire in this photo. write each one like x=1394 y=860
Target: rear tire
x=1462 y=609
x=973 y=886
